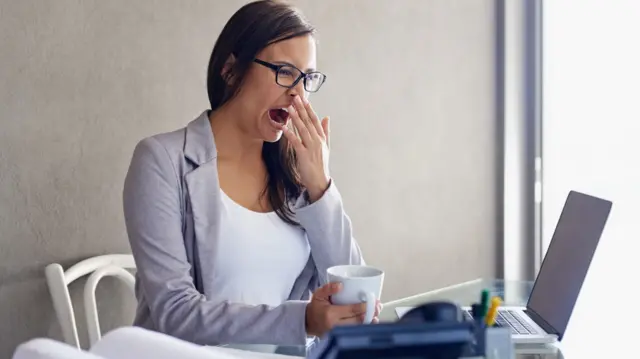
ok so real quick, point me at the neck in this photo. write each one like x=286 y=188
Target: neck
x=233 y=143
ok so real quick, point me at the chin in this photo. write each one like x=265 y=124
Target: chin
x=273 y=137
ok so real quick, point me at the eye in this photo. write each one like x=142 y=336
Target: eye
x=285 y=71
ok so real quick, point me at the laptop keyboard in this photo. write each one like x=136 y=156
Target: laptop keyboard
x=510 y=319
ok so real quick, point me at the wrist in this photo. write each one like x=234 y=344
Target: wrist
x=307 y=321
x=316 y=191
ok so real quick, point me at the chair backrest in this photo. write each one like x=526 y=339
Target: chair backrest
x=98 y=267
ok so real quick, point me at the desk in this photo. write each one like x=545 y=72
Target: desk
x=584 y=340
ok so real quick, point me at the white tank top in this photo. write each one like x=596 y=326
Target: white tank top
x=258 y=256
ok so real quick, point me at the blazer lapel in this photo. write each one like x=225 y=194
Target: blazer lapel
x=203 y=188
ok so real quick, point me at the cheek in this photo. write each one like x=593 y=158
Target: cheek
x=259 y=93
x=260 y=83
x=250 y=97
x=270 y=95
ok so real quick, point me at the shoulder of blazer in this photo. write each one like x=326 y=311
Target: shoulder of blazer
x=187 y=148
x=199 y=145
x=193 y=142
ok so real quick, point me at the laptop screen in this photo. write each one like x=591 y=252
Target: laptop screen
x=567 y=260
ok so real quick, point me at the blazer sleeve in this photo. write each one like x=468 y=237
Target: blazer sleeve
x=329 y=231
x=153 y=217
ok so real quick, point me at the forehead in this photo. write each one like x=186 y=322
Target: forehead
x=299 y=51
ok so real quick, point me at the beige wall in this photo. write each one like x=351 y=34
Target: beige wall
x=410 y=92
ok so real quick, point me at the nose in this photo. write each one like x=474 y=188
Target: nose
x=299 y=90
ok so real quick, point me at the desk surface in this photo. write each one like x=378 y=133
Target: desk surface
x=584 y=338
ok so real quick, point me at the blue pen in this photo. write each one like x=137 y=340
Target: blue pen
x=476 y=312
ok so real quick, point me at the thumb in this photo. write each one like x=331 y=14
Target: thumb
x=325 y=128
x=327 y=290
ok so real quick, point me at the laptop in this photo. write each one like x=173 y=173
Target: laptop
x=555 y=291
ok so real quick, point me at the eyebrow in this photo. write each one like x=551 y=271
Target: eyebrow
x=309 y=69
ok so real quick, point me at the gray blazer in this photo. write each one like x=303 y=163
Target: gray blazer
x=172 y=214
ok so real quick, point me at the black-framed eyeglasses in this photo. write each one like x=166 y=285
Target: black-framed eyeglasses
x=288 y=76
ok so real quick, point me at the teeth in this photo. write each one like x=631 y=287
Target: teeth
x=285 y=109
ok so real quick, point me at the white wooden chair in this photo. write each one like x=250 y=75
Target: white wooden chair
x=98 y=267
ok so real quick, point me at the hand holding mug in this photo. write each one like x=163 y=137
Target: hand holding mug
x=322 y=315
x=360 y=284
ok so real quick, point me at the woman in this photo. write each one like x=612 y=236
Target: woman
x=234 y=220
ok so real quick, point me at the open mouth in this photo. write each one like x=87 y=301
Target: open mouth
x=279 y=115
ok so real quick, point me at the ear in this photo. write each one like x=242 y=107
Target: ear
x=227 y=69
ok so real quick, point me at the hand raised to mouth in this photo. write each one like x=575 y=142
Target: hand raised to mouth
x=312 y=147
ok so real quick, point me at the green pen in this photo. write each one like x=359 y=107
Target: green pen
x=484 y=303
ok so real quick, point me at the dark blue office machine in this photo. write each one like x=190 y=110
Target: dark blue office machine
x=435 y=330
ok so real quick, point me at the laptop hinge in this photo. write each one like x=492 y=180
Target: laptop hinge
x=542 y=323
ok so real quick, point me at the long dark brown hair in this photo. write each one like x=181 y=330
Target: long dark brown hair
x=252 y=28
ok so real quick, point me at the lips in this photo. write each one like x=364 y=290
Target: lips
x=279 y=115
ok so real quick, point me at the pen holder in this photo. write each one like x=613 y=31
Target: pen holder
x=480 y=333
x=491 y=342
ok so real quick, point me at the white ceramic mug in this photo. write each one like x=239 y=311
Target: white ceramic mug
x=360 y=284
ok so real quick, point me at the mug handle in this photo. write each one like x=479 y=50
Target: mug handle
x=370 y=299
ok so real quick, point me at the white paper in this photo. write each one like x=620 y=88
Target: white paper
x=232 y=353
x=400 y=311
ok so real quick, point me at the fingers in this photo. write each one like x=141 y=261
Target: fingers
x=350 y=311
x=378 y=308
x=351 y=314
x=326 y=129
x=308 y=117
x=292 y=138
x=302 y=128
x=357 y=313
x=358 y=309
x=358 y=319
x=354 y=310
x=327 y=290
